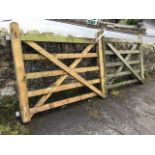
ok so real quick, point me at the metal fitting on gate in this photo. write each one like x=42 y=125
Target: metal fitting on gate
x=101 y=35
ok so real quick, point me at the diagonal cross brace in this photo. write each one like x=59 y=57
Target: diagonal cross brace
x=125 y=62
x=121 y=67
x=63 y=66
x=44 y=98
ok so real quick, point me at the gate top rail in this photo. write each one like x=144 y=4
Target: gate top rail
x=55 y=38
x=47 y=37
x=122 y=40
x=70 y=39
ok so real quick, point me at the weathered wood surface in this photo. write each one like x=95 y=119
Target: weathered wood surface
x=126 y=59
x=109 y=52
x=114 y=64
x=101 y=59
x=141 y=58
x=55 y=38
x=118 y=40
x=123 y=73
x=125 y=62
x=121 y=84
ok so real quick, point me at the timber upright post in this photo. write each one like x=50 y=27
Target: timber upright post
x=101 y=59
x=20 y=72
x=141 y=57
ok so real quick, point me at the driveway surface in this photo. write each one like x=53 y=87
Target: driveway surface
x=131 y=111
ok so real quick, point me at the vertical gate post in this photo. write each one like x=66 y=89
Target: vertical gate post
x=20 y=72
x=141 y=57
x=102 y=68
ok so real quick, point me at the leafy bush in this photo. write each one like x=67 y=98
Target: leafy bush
x=131 y=21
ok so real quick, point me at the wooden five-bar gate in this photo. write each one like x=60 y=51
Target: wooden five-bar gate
x=126 y=55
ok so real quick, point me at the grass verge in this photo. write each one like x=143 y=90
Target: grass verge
x=9 y=124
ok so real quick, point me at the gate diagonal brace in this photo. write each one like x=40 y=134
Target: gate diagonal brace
x=125 y=62
x=63 y=66
x=44 y=98
x=121 y=67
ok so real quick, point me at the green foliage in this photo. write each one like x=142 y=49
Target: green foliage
x=48 y=33
x=148 y=73
x=53 y=38
x=4 y=31
x=115 y=92
x=33 y=32
x=9 y=124
x=130 y=21
x=16 y=129
x=8 y=103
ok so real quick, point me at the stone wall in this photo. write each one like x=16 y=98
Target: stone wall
x=149 y=58
x=7 y=73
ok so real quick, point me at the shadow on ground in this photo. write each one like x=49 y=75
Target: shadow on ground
x=131 y=111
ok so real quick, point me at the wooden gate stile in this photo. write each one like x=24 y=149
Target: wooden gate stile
x=42 y=54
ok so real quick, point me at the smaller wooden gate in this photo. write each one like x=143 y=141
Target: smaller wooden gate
x=32 y=41
x=124 y=62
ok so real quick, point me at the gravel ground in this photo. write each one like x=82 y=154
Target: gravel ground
x=130 y=112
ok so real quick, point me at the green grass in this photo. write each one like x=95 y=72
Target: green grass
x=115 y=92
x=9 y=124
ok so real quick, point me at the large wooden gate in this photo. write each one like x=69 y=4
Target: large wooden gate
x=64 y=71
x=119 y=62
